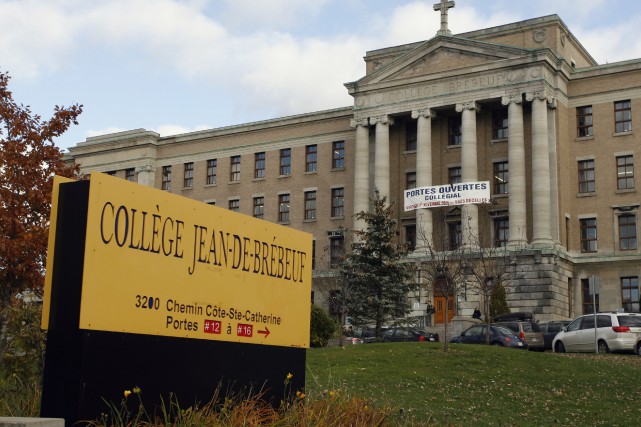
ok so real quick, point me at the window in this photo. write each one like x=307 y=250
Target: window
x=310 y=205
x=586 y=176
x=234 y=205
x=285 y=162
x=501 y=231
x=259 y=165
x=454 y=175
x=410 y=237
x=454 y=134
x=410 y=180
x=499 y=124
x=630 y=294
x=313 y=254
x=588 y=235
x=627 y=232
x=336 y=251
x=410 y=136
x=455 y=234
x=188 y=180
x=259 y=207
x=283 y=208
x=501 y=177
x=111 y=173
x=130 y=174
x=311 y=157
x=625 y=172
x=212 y=169
x=338 y=201
x=234 y=174
x=588 y=308
x=584 y=121
x=622 y=116
x=338 y=154
x=166 y=178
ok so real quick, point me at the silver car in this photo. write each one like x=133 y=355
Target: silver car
x=615 y=332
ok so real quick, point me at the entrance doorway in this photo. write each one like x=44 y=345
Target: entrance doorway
x=439 y=309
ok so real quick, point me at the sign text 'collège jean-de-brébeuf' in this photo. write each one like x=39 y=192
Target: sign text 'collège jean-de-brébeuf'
x=157 y=263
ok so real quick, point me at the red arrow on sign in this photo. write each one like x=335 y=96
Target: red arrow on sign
x=266 y=332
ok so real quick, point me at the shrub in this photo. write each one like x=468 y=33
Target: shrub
x=23 y=354
x=322 y=327
x=498 y=303
x=22 y=358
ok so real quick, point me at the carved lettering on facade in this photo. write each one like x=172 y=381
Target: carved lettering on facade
x=449 y=86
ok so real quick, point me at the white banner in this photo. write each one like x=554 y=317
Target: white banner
x=447 y=195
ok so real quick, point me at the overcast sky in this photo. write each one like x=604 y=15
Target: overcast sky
x=175 y=66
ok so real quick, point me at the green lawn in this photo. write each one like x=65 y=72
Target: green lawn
x=474 y=385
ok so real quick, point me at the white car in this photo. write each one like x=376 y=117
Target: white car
x=615 y=332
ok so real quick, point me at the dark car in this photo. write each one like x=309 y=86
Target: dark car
x=523 y=324
x=550 y=329
x=362 y=335
x=499 y=335
x=403 y=334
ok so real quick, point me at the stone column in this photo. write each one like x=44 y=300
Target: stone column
x=361 y=170
x=381 y=156
x=554 y=178
x=424 y=227
x=541 y=235
x=516 y=163
x=146 y=175
x=469 y=172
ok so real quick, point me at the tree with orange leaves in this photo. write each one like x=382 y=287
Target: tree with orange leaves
x=28 y=160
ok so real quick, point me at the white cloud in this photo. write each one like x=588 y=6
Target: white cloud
x=259 y=16
x=580 y=10
x=34 y=37
x=250 y=58
x=288 y=75
x=613 y=43
x=104 y=131
x=172 y=129
x=164 y=33
x=411 y=23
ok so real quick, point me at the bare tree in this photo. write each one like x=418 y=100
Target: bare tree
x=488 y=269
x=490 y=266
x=443 y=260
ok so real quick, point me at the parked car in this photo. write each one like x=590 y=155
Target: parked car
x=354 y=340
x=614 y=332
x=402 y=334
x=523 y=325
x=637 y=347
x=550 y=329
x=361 y=335
x=499 y=335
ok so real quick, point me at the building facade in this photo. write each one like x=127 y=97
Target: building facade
x=523 y=106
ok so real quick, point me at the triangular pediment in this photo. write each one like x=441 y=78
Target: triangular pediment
x=439 y=55
x=442 y=59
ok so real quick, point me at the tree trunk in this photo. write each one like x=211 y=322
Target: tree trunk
x=488 y=318
x=447 y=300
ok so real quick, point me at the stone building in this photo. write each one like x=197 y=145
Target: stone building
x=523 y=106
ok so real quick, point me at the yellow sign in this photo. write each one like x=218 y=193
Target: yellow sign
x=160 y=264
x=51 y=243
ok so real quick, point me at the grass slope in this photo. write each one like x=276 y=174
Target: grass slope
x=482 y=385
